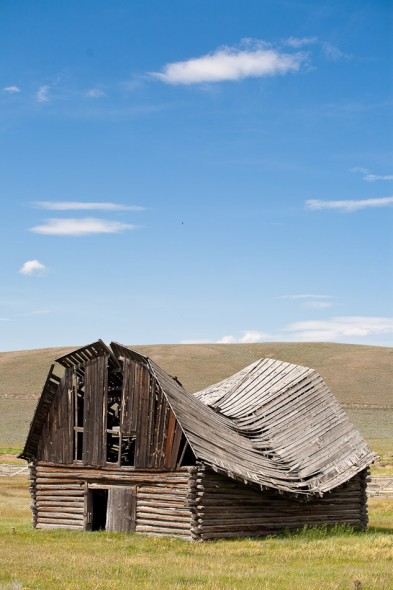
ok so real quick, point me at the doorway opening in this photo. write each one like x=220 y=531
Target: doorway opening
x=99 y=504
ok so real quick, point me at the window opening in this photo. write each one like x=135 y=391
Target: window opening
x=113 y=439
x=127 y=451
x=79 y=403
x=186 y=455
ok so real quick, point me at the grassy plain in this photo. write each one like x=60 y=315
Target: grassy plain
x=308 y=560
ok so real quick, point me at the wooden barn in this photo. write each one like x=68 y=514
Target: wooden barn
x=117 y=444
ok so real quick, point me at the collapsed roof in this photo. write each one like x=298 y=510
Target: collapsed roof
x=273 y=424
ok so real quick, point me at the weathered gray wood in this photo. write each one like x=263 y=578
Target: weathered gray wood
x=121 y=509
x=94 y=423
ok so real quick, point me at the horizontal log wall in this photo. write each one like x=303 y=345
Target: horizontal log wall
x=164 y=509
x=191 y=503
x=165 y=500
x=225 y=508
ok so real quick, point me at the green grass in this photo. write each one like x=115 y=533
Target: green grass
x=307 y=560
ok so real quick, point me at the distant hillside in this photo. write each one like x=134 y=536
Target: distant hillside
x=357 y=375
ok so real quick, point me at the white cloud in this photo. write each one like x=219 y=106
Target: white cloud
x=80 y=227
x=34 y=313
x=229 y=63
x=95 y=93
x=306 y=296
x=5 y=320
x=252 y=336
x=374 y=177
x=334 y=53
x=226 y=340
x=11 y=89
x=42 y=94
x=84 y=206
x=340 y=328
x=300 y=42
x=197 y=341
x=349 y=206
x=371 y=177
x=32 y=267
x=317 y=301
x=318 y=304
x=249 y=337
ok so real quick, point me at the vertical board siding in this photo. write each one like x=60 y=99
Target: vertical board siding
x=56 y=443
x=94 y=420
x=34 y=437
x=147 y=415
x=225 y=508
x=121 y=509
x=128 y=413
x=142 y=385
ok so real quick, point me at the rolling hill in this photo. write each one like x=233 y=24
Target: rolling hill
x=361 y=377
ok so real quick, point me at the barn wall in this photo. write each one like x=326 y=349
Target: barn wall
x=146 y=418
x=225 y=508
x=147 y=415
x=191 y=503
x=163 y=499
x=56 y=439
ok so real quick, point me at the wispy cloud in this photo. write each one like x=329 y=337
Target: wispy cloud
x=249 y=337
x=340 y=328
x=34 y=313
x=80 y=227
x=84 y=206
x=12 y=89
x=306 y=296
x=43 y=94
x=367 y=175
x=349 y=206
x=5 y=320
x=256 y=60
x=333 y=53
x=297 y=42
x=318 y=304
x=32 y=267
x=337 y=329
x=95 y=93
x=196 y=341
x=311 y=301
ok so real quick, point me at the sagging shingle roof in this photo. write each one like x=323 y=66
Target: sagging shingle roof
x=289 y=415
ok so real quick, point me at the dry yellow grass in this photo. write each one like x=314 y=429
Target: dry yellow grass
x=310 y=560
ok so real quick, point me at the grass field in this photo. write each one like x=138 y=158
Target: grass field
x=361 y=377
x=309 y=560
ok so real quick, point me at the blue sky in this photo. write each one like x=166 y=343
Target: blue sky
x=200 y=171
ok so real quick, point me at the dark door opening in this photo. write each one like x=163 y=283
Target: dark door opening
x=99 y=504
x=111 y=509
